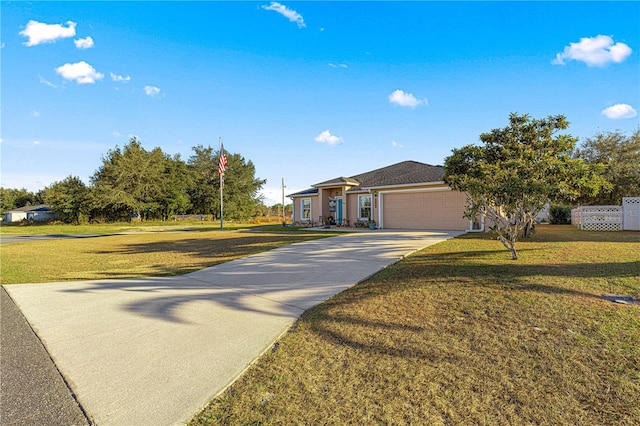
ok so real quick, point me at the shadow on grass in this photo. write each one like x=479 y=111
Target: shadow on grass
x=463 y=265
x=226 y=248
x=569 y=233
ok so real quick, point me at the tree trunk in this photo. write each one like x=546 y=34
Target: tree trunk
x=510 y=245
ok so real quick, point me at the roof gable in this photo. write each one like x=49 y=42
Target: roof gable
x=404 y=173
x=337 y=181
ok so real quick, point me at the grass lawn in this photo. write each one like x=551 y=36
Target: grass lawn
x=460 y=334
x=112 y=228
x=158 y=253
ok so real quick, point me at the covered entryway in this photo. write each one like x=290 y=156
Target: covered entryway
x=424 y=209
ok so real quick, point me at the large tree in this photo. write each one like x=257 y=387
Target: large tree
x=69 y=198
x=204 y=191
x=517 y=171
x=621 y=156
x=15 y=198
x=178 y=180
x=131 y=180
x=240 y=192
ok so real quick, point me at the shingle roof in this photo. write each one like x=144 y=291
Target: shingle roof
x=35 y=208
x=404 y=173
x=310 y=191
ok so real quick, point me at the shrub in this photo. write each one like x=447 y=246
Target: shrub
x=560 y=215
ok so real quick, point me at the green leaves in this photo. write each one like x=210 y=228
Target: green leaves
x=69 y=198
x=519 y=169
x=617 y=158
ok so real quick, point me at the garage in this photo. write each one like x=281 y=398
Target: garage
x=424 y=209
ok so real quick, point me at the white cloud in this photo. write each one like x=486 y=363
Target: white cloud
x=396 y=144
x=290 y=14
x=594 y=51
x=399 y=97
x=151 y=91
x=619 y=111
x=116 y=77
x=38 y=32
x=115 y=134
x=332 y=65
x=328 y=138
x=81 y=72
x=84 y=43
x=36 y=142
x=48 y=83
x=35 y=113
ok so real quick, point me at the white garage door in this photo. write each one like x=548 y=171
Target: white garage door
x=425 y=210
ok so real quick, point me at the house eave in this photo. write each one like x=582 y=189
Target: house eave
x=391 y=187
x=336 y=183
x=305 y=193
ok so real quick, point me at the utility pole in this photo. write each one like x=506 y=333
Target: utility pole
x=284 y=219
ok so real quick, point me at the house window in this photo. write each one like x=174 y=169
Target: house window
x=305 y=209
x=364 y=207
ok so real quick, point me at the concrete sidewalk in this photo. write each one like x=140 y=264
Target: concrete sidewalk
x=155 y=351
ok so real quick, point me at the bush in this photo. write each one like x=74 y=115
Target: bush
x=560 y=215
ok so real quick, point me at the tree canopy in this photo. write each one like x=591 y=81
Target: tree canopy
x=69 y=198
x=620 y=155
x=15 y=198
x=517 y=171
x=150 y=184
x=130 y=181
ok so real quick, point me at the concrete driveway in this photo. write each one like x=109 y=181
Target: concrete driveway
x=155 y=351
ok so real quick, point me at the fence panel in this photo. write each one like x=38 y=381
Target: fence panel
x=598 y=218
x=631 y=209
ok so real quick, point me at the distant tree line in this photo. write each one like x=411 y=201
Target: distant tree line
x=135 y=182
x=155 y=185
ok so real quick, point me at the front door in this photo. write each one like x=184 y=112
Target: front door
x=339 y=211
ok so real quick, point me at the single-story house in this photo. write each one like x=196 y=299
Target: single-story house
x=406 y=195
x=37 y=213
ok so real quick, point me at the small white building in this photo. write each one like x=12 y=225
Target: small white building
x=37 y=213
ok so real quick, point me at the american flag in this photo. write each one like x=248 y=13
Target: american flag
x=222 y=165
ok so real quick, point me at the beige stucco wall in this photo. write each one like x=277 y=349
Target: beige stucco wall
x=418 y=207
x=297 y=208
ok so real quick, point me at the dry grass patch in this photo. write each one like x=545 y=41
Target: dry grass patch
x=461 y=334
x=139 y=255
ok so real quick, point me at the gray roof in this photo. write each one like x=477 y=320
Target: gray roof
x=35 y=208
x=310 y=191
x=404 y=173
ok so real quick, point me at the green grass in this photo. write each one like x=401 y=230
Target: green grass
x=460 y=334
x=138 y=255
x=112 y=228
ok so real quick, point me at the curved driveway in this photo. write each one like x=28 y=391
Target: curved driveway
x=155 y=351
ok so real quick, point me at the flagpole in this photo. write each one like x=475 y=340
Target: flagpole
x=221 y=186
x=284 y=218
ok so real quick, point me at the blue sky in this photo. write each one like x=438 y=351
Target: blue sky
x=308 y=91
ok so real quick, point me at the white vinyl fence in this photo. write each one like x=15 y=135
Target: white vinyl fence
x=631 y=210
x=608 y=218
